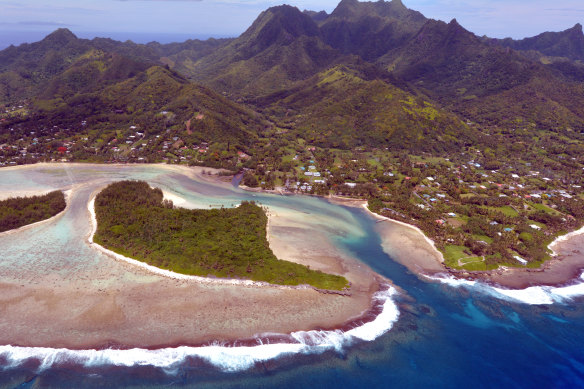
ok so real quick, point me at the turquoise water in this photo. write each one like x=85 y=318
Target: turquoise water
x=445 y=336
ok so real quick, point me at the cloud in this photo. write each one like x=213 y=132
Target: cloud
x=565 y=9
x=37 y=23
x=42 y=23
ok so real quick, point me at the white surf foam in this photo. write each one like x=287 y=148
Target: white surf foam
x=563 y=238
x=225 y=358
x=534 y=295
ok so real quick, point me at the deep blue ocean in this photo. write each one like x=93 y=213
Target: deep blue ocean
x=445 y=338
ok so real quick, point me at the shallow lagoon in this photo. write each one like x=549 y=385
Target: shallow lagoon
x=444 y=337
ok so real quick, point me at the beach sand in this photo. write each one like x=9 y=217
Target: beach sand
x=409 y=246
x=120 y=304
x=22 y=193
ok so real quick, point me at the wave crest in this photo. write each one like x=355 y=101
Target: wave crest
x=533 y=295
x=225 y=358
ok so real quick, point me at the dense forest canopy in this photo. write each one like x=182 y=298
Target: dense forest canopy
x=19 y=211
x=134 y=220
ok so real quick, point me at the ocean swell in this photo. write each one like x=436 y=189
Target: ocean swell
x=534 y=295
x=226 y=358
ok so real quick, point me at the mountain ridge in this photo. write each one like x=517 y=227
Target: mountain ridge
x=284 y=50
x=568 y=43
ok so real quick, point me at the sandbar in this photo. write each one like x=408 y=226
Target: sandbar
x=114 y=303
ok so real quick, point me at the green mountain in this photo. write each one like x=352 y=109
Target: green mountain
x=182 y=56
x=281 y=47
x=345 y=108
x=370 y=29
x=153 y=100
x=374 y=73
x=566 y=44
x=63 y=64
x=484 y=83
x=67 y=81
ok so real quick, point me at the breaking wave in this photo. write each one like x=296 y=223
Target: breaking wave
x=226 y=358
x=533 y=295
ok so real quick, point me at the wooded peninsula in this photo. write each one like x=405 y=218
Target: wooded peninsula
x=17 y=212
x=134 y=220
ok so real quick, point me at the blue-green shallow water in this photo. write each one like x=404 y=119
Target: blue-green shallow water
x=445 y=337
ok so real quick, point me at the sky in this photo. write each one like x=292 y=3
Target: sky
x=171 y=20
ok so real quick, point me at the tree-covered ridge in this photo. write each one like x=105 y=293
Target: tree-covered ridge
x=563 y=44
x=283 y=46
x=20 y=211
x=342 y=108
x=135 y=221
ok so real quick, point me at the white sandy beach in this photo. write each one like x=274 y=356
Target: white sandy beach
x=554 y=246
x=171 y=274
x=420 y=232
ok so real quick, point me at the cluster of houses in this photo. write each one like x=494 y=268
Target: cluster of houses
x=33 y=147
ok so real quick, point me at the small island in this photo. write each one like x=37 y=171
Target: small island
x=134 y=220
x=17 y=212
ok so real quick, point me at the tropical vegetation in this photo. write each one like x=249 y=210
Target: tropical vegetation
x=134 y=220
x=16 y=212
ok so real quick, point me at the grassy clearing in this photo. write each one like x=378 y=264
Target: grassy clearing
x=545 y=208
x=506 y=210
x=454 y=253
x=483 y=238
x=455 y=256
x=475 y=266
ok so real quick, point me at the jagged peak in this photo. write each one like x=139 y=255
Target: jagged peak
x=396 y=3
x=316 y=16
x=348 y=2
x=433 y=23
x=61 y=35
x=453 y=25
x=280 y=24
x=345 y=8
x=577 y=27
x=289 y=19
x=381 y=8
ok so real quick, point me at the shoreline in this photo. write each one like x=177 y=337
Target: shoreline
x=562 y=269
x=411 y=226
x=564 y=266
x=187 y=277
x=107 y=303
x=68 y=193
x=564 y=238
x=238 y=355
